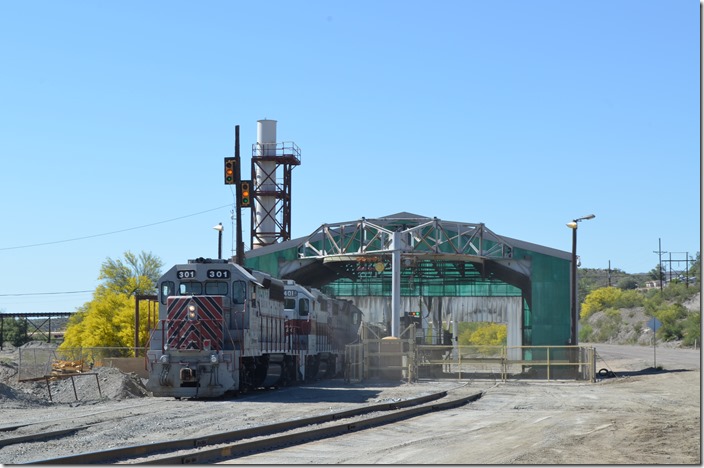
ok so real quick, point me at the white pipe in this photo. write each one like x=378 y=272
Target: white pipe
x=265 y=180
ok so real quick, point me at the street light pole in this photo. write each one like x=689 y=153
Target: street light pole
x=219 y=229
x=574 y=319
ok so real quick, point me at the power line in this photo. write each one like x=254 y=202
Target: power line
x=46 y=293
x=112 y=232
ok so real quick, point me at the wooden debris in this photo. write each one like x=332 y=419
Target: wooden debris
x=59 y=367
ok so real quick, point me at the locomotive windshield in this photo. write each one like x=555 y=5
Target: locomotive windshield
x=218 y=288
x=303 y=306
x=190 y=287
x=211 y=288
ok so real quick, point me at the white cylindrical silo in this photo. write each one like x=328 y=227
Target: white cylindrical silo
x=265 y=182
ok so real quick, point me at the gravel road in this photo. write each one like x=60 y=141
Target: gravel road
x=638 y=417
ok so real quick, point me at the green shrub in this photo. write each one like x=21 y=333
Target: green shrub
x=692 y=329
x=605 y=298
x=608 y=326
x=585 y=333
x=672 y=322
x=483 y=334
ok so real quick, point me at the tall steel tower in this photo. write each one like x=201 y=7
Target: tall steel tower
x=271 y=213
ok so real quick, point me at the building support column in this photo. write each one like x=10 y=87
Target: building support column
x=396 y=285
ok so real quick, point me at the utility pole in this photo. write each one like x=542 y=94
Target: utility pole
x=609 y=277
x=678 y=261
x=660 y=252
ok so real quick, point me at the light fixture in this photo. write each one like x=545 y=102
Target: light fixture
x=219 y=229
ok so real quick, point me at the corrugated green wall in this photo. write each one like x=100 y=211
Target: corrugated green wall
x=548 y=321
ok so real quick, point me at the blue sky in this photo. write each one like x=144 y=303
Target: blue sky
x=522 y=115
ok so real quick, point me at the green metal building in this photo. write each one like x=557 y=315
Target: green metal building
x=450 y=272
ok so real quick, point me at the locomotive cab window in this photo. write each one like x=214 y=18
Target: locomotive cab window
x=167 y=289
x=303 y=307
x=216 y=288
x=239 y=292
x=190 y=287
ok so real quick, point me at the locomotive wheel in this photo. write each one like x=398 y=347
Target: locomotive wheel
x=250 y=375
x=312 y=366
x=331 y=370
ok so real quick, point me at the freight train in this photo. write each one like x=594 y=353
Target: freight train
x=224 y=328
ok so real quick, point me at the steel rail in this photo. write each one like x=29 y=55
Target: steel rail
x=272 y=443
x=12 y=427
x=120 y=453
x=42 y=436
x=43 y=425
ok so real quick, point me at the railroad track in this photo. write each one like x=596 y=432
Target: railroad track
x=38 y=431
x=232 y=444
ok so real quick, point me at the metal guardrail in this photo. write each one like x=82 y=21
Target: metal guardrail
x=512 y=362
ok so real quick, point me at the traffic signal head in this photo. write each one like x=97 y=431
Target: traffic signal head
x=230 y=164
x=245 y=193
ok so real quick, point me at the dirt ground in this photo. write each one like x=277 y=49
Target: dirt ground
x=641 y=416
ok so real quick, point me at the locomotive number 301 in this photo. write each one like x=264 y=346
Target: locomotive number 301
x=218 y=274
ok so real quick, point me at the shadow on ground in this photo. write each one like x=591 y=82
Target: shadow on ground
x=606 y=373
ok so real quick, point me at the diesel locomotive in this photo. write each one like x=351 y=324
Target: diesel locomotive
x=224 y=328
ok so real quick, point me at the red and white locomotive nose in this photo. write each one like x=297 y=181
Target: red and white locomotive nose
x=194 y=322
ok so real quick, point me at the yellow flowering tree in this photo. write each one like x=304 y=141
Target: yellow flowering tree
x=108 y=319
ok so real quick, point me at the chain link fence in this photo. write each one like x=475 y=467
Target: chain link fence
x=37 y=363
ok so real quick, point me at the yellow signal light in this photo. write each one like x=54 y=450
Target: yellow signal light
x=245 y=199
x=230 y=171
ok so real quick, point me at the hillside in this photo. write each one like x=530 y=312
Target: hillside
x=629 y=325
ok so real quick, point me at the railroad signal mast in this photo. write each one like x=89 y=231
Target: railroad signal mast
x=233 y=177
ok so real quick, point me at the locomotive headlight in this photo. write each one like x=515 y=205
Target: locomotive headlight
x=214 y=358
x=164 y=359
x=192 y=312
